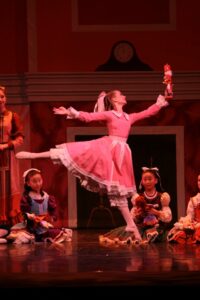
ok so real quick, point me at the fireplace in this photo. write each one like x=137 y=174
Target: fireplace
x=161 y=146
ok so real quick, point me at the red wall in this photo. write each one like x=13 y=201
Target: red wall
x=59 y=48
x=13 y=33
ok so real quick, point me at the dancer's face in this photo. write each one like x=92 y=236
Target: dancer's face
x=149 y=181
x=118 y=97
x=35 y=182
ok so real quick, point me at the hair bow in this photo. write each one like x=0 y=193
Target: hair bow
x=29 y=170
x=100 y=106
x=150 y=169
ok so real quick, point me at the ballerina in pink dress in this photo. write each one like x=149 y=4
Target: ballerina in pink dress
x=104 y=164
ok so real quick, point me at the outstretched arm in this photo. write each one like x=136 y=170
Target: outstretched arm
x=72 y=113
x=69 y=112
x=150 y=111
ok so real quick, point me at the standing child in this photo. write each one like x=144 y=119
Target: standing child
x=104 y=164
x=11 y=137
x=39 y=210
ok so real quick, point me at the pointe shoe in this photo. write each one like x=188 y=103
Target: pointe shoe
x=135 y=231
x=24 y=155
x=140 y=242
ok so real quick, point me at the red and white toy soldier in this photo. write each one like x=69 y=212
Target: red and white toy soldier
x=168 y=81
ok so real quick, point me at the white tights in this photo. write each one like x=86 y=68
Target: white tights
x=129 y=221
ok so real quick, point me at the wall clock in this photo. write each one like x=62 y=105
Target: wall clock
x=123 y=51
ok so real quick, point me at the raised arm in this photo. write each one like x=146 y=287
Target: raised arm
x=150 y=111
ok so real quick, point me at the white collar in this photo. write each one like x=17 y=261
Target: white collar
x=119 y=114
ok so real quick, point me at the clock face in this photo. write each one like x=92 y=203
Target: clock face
x=123 y=52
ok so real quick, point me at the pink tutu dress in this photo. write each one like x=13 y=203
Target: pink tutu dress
x=104 y=164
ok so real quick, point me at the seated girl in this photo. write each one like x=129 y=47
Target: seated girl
x=187 y=229
x=151 y=211
x=39 y=211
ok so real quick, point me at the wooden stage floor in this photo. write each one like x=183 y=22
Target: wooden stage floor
x=86 y=263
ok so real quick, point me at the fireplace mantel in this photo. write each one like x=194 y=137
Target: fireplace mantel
x=144 y=86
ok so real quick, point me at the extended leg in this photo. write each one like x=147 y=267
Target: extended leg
x=32 y=155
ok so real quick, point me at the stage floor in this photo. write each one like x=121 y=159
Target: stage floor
x=85 y=262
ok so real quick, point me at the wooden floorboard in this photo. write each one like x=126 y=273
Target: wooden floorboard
x=85 y=263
